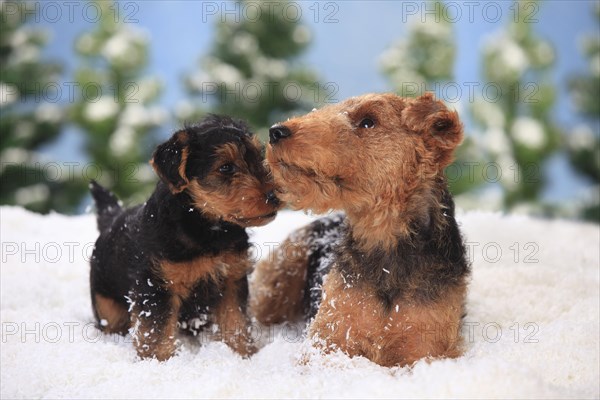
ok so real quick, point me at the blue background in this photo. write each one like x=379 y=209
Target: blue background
x=345 y=51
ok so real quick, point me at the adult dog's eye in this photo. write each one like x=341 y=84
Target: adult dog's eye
x=367 y=123
x=227 y=168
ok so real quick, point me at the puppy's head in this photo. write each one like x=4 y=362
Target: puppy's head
x=218 y=163
x=362 y=151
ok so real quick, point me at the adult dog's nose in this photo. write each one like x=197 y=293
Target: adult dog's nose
x=272 y=198
x=278 y=132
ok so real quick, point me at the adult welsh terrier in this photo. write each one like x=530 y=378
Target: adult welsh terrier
x=387 y=279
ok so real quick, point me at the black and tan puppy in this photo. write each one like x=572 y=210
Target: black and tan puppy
x=183 y=255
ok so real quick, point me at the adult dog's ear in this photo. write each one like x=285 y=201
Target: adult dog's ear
x=169 y=161
x=439 y=127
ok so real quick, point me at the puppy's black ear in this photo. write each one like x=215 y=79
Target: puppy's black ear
x=169 y=161
x=238 y=127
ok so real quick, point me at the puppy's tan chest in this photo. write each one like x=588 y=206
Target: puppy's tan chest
x=181 y=277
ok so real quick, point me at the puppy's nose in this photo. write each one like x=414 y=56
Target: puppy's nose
x=272 y=198
x=277 y=133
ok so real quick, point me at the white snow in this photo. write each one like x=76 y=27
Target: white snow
x=532 y=326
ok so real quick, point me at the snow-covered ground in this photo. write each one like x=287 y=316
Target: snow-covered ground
x=532 y=326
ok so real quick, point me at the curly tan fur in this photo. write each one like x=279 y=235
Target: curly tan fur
x=285 y=272
x=397 y=284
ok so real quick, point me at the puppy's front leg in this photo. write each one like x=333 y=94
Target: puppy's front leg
x=154 y=316
x=231 y=319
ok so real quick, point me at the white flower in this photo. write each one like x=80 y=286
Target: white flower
x=243 y=43
x=506 y=165
x=19 y=38
x=528 y=132
x=13 y=155
x=156 y=115
x=430 y=28
x=391 y=57
x=137 y=115
x=123 y=46
x=147 y=89
x=32 y=194
x=48 y=112
x=513 y=56
x=582 y=137
x=134 y=115
x=301 y=34
x=86 y=43
x=510 y=58
x=227 y=74
x=490 y=113
x=118 y=46
x=595 y=65
x=145 y=173
x=122 y=140
x=274 y=69
x=106 y=107
x=25 y=54
x=495 y=141
x=8 y=94
x=198 y=79
x=544 y=53
x=184 y=110
x=24 y=129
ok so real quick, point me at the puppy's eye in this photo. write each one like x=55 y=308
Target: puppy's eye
x=367 y=123
x=227 y=169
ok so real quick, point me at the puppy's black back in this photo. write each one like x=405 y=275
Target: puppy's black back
x=117 y=256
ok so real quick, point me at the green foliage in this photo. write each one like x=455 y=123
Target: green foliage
x=518 y=129
x=414 y=64
x=253 y=70
x=514 y=131
x=114 y=107
x=426 y=55
x=585 y=88
x=583 y=144
x=29 y=119
x=111 y=111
